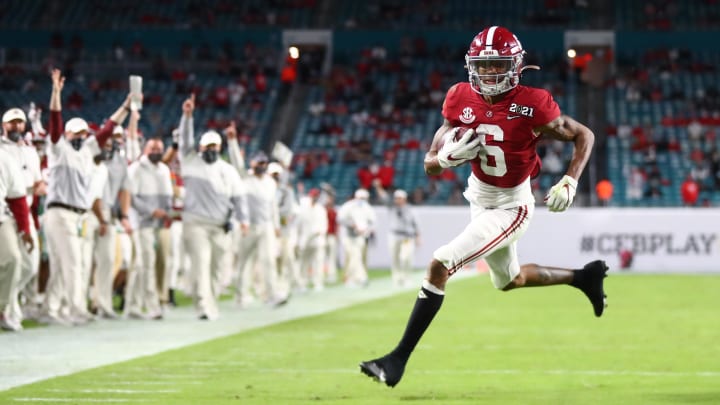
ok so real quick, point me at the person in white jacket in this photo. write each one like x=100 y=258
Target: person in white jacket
x=357 y=218
x=114 y=210
x=288 y=208
x=70 y=165
x=151 y=189
x=312 y=227
x=14 y=125
x=12 y=197
x=258 y=247
x=214 y=193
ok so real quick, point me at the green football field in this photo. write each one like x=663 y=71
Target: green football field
x=658 y=343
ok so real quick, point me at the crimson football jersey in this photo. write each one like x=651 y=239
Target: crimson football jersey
x=508 y=155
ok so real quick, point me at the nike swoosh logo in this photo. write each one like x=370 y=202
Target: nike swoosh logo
x=450 y=157
x=512 y=117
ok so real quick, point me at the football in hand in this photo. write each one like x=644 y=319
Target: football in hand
x=455 y=133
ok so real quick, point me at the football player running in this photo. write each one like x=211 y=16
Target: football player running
x=506 y=121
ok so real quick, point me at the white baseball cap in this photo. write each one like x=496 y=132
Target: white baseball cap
x=210 y=138
x=76 y=125
x=274 y=168
x=118 y=130
x=14 y=114
x=361 y=193
x=400 y=193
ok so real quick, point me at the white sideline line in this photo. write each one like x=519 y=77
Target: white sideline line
x=164 y=376
x=112 y=391
x=170 y=382
x=55 y=400
x=642 y=373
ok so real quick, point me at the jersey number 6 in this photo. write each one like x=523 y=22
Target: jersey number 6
x=499 y=169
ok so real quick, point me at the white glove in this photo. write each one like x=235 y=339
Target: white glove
x=561 y=195
x=454 y=153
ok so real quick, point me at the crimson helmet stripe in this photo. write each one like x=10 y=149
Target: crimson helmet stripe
x=490 y=37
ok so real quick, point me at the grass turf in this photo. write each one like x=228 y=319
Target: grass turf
x=656 y=344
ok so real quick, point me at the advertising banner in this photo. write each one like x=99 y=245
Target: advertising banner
x=678 y=240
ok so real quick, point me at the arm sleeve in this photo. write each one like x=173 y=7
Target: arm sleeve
x=105 y=133
x=236 y=158
x=142 y=207
x=240 y=202
x=132 y=149
x=167 y=189
x=97 y=184
x=55 y=126
x=21 y=213
x=187 y=136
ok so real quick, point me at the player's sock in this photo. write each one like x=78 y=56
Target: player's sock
x=428 y=303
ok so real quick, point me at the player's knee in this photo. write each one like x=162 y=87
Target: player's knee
x=438 y=274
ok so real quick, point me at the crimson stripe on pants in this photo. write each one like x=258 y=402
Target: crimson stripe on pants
x=521 y=215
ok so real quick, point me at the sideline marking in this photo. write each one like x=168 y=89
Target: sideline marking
x=54 y=400
x=112 y=391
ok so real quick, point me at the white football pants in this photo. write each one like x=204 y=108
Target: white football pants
x=141 y=289
x=402 y=250
x=492 y=234
x=355 y=270
x=10 y=261
x=206 y=245
x=63 y=230
x=331 y=258
x=257 y=263
x=311 y=263
x=29 y=265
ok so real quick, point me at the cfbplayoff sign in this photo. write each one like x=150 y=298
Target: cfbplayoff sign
x=659 y=240
x=677 y=240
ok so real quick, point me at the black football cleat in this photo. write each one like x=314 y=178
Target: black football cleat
x=590 y=282
x=388 y=369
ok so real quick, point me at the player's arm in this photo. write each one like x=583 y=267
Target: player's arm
x=186 y=128
x=432 y=166
x=55 y=125
x=566 y=129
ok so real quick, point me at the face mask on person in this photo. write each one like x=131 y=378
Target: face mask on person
x=155 y=157
x=14 y=136
x=209 y=156
x=77 y=143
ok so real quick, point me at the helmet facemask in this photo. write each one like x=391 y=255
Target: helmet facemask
x=491 y=74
